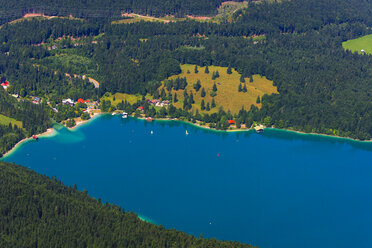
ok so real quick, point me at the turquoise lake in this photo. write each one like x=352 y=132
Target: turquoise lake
x=279 y=189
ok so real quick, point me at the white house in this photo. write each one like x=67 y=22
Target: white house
x=68 y=102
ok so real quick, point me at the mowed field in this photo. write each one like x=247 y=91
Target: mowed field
x=228 y=95
x=122 y=97
x=356 y=45
x=5 y=120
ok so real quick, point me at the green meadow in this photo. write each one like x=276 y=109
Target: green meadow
x=5 y=120
x=362 y=43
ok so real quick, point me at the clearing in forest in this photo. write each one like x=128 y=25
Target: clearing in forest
x=118 y=97
x=357 y=45
x=227 y=94
x=5 y=120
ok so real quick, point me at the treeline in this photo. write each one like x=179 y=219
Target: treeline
x=303 y=15
x=37 y=211
x=103 y=9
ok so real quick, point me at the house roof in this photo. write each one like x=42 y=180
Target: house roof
x=231 y=122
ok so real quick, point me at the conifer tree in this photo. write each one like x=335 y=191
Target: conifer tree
x=206 y=69
x=175 y=98
x=214 y=87
x=250 y=79
x=244 y=88
x=202 y=105
x=197 y=86
x=258 y=99
x=242 y=78
x=196 y=69
x=207 y=107
x=229 y=71
x=191 y=98
x=202 y=94
x=240 y=88
x=213 y=104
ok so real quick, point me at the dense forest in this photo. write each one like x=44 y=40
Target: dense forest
x=92 y=9
x=34 y=118
x=37 y=211
x=322 y=88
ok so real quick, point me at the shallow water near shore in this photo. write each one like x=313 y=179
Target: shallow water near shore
x=279 y=189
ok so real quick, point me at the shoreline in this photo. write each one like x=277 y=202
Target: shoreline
x=48 y=133
x=252 y=129
x=51 y=131
x=83 y=122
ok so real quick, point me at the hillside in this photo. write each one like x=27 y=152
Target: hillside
x=37 y=211
x=227 y=95
x=109 y=8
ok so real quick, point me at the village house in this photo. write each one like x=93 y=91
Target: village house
x=158 y=103
x=68 y=102
x=5 y=85
x=36 y=100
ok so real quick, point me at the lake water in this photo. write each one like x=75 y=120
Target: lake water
x=279 y=189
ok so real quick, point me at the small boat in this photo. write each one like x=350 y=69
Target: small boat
x=148 y=119
x=35 y=137
x=259 y=129
x=152 y=132
x=125 y=115
x=187 y=133
x=113 y=113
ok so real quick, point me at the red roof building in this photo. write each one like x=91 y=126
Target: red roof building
x=140 y=108
x=80 y=100
x=231 y=122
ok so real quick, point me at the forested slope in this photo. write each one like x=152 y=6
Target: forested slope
x=34 y=118
x=10 y=10
x=36 y=211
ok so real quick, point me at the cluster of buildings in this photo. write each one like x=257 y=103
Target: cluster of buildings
x=159 y=103
x=5 y=85
x=71 y=102
x=36 y=100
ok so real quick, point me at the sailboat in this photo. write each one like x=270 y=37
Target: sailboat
x=187 y=133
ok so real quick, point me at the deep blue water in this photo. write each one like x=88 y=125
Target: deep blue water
x=279 y=189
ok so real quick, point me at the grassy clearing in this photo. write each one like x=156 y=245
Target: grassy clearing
x=133 y=18
x=122 y=97
x=5 y=120
x=356 y=45
x=227 y=96
x=70 y=63
x=227 y=9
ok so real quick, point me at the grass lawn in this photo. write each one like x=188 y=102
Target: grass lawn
x=357 y=45
x=137 y=18
x=122 y=97
x=5 y=120
x=227 y=96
